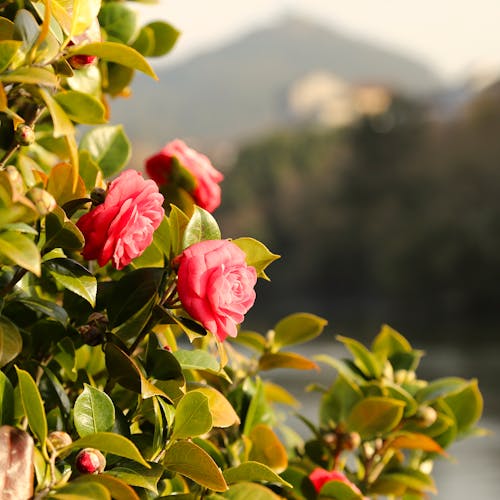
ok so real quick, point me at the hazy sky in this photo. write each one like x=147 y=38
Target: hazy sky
x=451 y=35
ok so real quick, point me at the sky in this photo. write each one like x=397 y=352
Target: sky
x=453 y=36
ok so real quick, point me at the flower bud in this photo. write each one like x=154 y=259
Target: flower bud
x=24 y=135
x=90 y=461
x=351 y=441
x=97 y=195
x=81 y=61
x=59 y=439
x=426 y=416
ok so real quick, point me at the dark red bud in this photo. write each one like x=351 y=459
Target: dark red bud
x=80 y=61
x=90 y=461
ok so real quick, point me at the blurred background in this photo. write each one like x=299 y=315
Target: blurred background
x=362 y=143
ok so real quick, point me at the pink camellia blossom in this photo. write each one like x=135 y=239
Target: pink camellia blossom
x=122 y=227
x=215 y=285
x=206 y=192
x=319 y=477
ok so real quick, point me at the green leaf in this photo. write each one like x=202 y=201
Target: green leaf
x=131 y=293
x=297 y=328
x=8 y=50
x=410 y=478
x=81 y=491
x=440 y=388
x=11 y=342
x=389 y=342
x=192 y=416
x=253 y=471
x=137 y=475
x=61 y=232
x=339 y=491
x=191 y=461
x=89 y=170
x=196 y=359
x=223 y=414
x=119 y=22
x=259 y=411
x=164 y=35
x=201 y=226
x=109 y=443
x=81 y=107
x=363 y=358
x=20 y=250
x=273 y=360
x=117 y=53
x=33 y=405
x=375 y=416
x=245 y=491
x=253 y=340
x=46 y=308
x=119 y=489
x=64 y=354
x=93 y=412
x=178 y=221
x=258 y=255
x=31 y=75
x=267 y=448
x=108 y=146
x=6 y=400
x=337 y=403
x=62 y=124
x=73 y=276
x=466 y=405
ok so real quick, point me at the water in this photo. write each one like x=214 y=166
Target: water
x=474 y=464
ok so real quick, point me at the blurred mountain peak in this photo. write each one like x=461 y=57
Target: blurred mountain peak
x=242 y=88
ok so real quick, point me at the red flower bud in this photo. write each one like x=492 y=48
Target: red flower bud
x=80 y=61
x=90 y=461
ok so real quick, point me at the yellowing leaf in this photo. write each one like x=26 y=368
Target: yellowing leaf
x=267 y=448
x=60 y=184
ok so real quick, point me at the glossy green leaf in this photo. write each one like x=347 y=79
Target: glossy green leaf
x=258 y=255
x=223 y=414
x=246 y=491
x=337 y=403
x=6 y=400
x=109 y=443
x=164 y=35
x=119 y=489
x=64 y=354
x=253 y=471
x=60 y=120
x=11 y=342
x=81 y=107
x=267 y=449
x=342 y=367
x=116 y=52
x=178 y=221
x=89 y=170
x=20 y=250
x=297 y=328
x=191 y=461
x=410 y=478
x=131 y=293
x=93 y=412
x=273 y=360
x=145 y=41
x=81 y=491
x=31 y=75
x=363 y=358
x=192 y=416
x=108 y=146
x=8 y=50
x=196 y=359
x=32 y=405
x=389 y=342
x=58 y=392
x=61 y=232
x=259 y=410
x=119 y=22
x=137 y=475
x=253 y=340
x=338 y=490
x=440 y=388
x=46 y=307
x=201 y=226
x=374 y=416
x=466 y=405
x=73 y=276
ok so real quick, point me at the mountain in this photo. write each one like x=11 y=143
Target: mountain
x=241 y=89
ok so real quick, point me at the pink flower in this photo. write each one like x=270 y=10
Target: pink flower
x=215 y=285
x=319 y=477
x=122 y=227
x=206 y=192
